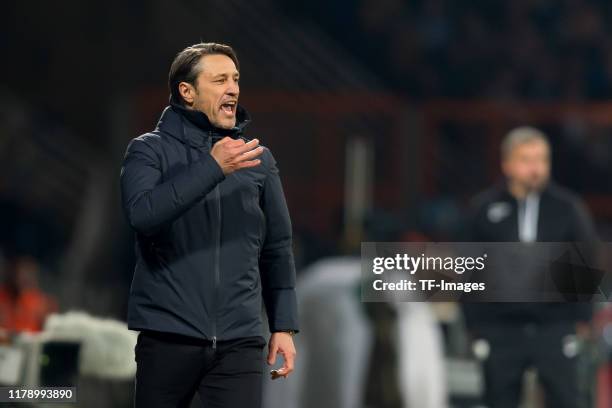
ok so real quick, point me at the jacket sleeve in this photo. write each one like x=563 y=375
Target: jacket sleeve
x=149 y=203
x=582 y=223
x=585 y=235
x=276 y=263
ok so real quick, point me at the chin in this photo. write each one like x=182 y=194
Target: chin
x=538 y=186
x=225 y=124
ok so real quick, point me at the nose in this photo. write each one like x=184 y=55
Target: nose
x=233 y=88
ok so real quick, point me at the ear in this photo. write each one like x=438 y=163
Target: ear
x=504 y=167
x=187 y=92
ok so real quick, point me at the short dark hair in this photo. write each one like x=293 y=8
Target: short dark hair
x=184 y=67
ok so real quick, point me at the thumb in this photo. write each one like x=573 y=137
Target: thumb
x=272 y=354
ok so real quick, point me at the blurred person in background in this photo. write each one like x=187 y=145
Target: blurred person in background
x=213 y=239
x=529 y=207
x=23 y=306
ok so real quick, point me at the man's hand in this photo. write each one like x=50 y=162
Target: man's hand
x=232 y=154
x=281 y=342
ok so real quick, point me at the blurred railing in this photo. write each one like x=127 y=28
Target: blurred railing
x=421 y=151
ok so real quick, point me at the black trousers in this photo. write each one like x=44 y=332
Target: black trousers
x=171 y=369
x=547 y=347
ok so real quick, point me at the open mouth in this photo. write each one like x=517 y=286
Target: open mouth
x=229 y=108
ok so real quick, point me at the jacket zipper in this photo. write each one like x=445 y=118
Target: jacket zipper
x=217 y=272
x=217 y=256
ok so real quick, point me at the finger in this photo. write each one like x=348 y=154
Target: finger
x=236 y=142
x=284 y=372
x=248 y=164
x=280 y=373
x=287 y=367
x=272 y=354
x=251 y=154
x=289 y=363
x=245 y=147
x=224 y=140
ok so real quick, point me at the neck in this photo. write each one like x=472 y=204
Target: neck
x=520 y=191
x=197 y=117
x=517 y=190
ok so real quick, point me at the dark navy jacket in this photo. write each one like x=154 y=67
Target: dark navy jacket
x=562 y=218
x=209 y=247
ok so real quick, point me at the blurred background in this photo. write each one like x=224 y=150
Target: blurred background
x=385 y=117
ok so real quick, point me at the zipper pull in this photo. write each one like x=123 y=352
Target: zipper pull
x=214 y=342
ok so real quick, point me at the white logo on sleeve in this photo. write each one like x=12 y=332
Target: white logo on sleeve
x=498 y=211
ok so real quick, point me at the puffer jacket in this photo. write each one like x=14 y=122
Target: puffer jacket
x=209 y=247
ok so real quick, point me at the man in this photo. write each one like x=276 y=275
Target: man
x=529 y=207
x=213 y=238
x=23 y=305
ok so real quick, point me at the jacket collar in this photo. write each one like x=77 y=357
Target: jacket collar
x=194 y=128
x=504 y=191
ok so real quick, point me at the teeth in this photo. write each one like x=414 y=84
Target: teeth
x=228 y=107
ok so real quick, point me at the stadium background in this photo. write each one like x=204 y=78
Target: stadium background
x=385 y=117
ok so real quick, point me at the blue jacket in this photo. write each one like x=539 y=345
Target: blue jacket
x=209 y=247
